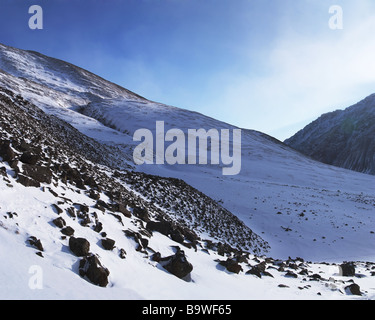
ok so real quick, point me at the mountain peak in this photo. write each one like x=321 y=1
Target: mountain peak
x=342 y=138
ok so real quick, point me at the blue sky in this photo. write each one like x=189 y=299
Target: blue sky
x=268 y=65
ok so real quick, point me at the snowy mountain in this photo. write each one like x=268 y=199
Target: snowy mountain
x=343 y=138
x=71 y=193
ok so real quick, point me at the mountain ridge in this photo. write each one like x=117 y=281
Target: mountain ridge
x=222 y=234
x=342 y=138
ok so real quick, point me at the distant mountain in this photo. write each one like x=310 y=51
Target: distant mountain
x=343 y=138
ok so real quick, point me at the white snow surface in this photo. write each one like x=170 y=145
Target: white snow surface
x=303 y=208
x=135 y=277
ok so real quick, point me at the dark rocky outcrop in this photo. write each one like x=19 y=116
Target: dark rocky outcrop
x=177 y=264
x=108 y=244
x=68 y=231
x=59 y=222
x=354 y=289
x=347 y=269
x=91 y=268
x=38 y=173
x=343 y=138
x=79 y=246
x=35 y=243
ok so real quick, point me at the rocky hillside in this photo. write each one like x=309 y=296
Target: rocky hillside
x=344 y=138
x=76 y=215
x=65 y=204
x=46 y=153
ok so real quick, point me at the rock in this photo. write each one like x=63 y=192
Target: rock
x=94 y=195
x=27 y=182
x=141 y=213
x=98 y=227
x=68 y=231
x=258 y=269
x=315 y=277
x=84 y=219
x=178 y=264
x=164 y=227
x=71 y=212
x=347 y=269
x=57 y=208
x=224 y=248
x=156 y=257
x=39 y=173
x=304 y=272
x=122 y=253
x=79 y=246
x=3 y=172
x=6 y=152
x=122 y=209
x=354 y=289
x=233 y=266
x=291 y=274
x=29 y=158
x=91 y=268
x=102 y=204
x=79 y=183
x=83 y=208
x=59 y=222
x=144 y=242
x=35 y=243
x=108 y=244
x=177 y=236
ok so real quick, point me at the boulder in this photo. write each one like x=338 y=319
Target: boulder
x=231 y=265
x=258 y=270
x=98 y=227
x=122 y=253
x=6 y=152
x=57 y=208
x=3 y=172
x=122 y=208
x=29 y=158
x=164 y=227
x=353 y=289
x=347 y=269
x=39 y=173
x=94 y=195
x=79 y=246
x=59 y=222
x=291 y=274
x=35 y=243
x=68 y=231
x=141 y=213
x=27 y=182
x=177 y=236
x=178 y=264
x=91 y=268
x=108 y=244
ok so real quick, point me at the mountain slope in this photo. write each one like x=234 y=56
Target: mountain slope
x=298 y=205
x=343 y=138
x=53 y=193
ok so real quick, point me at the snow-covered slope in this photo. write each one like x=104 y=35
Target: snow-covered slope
x=52 y=193
x=299 y=207
x=343 y=138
